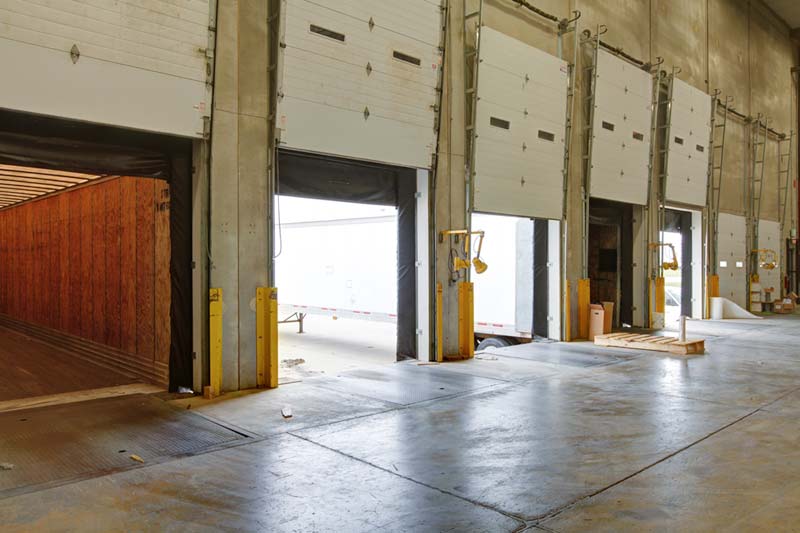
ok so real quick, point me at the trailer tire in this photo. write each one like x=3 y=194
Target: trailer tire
x=494 y=342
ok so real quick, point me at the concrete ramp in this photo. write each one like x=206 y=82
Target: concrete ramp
x=722 y=308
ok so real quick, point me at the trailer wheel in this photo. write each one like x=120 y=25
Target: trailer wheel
x=494 y=342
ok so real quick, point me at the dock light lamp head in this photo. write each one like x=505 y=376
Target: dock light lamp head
x=480 y=266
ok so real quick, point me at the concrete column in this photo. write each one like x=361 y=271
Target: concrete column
x=450 y=187
x=240 y=208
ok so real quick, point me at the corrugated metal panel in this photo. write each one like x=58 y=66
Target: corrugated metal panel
x=620 y=156
x=520 y=128
x=359 y=79
x=690 y=131
x=769 y=238
x=141 y=65
x=732 y=253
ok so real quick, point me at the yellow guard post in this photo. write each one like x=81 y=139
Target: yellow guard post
x=267 y=337
x=215 y=342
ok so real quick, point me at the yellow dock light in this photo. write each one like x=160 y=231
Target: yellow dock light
x=460 y=263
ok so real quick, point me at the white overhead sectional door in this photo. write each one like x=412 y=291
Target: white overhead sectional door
x=690 y=132
x=769 y=238
x=732 y=252
x=520 y=129
x=359 y=79
x=125 y=63
x=620 y=155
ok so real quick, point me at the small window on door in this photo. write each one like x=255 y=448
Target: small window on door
x=500 y=123
x=325 y=32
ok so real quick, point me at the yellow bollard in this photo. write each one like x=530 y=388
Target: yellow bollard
x=584 y=299
x=466 y=320
x=439 y=324
x=267 y=337
x=215 y=343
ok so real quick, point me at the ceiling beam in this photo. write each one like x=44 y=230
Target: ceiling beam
x=47 y=172
x=42 y=177
x=25 y=187
x=36 y=183
x=16 y=194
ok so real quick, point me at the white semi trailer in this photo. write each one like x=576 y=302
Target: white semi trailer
x=340 y=260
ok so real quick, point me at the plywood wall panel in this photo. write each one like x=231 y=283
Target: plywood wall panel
x=113 y=228
x=63 y=258
x=162 y=248
x=85 y=301
x=145 y=268
x=98 y=275
x=93 y=262
x=128 y=265
x=74 y=288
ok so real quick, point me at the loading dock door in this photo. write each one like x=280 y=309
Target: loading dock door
x=688 y=149
x=732 y=259
x=327 y=178
x=520 y=126
x=59 y=145
x=620 y=155
x=360 y=79
x=769 y=238
x=139 y=65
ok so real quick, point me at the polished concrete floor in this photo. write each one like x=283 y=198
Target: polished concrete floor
x=543 y=437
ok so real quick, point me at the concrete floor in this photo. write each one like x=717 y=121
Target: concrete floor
x=539 y=437
x=328 y=346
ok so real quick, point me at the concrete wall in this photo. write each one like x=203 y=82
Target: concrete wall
x=240 y=209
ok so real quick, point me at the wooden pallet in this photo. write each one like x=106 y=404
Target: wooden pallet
x=651 y=342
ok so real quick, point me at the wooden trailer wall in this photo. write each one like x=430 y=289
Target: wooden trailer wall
x=94 y=262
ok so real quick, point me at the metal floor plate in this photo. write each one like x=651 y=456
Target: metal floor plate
x=403 y=383
x=51 y=445
x=581 y=354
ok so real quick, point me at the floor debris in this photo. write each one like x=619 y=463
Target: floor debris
x=287 y=412
x=137 y=458
x=6 y=466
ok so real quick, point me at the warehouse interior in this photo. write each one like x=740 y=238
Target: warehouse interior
x=432 y=265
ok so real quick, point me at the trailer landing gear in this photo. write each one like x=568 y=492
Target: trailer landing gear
x=295 y=317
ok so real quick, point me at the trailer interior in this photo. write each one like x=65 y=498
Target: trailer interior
x=93 y=281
